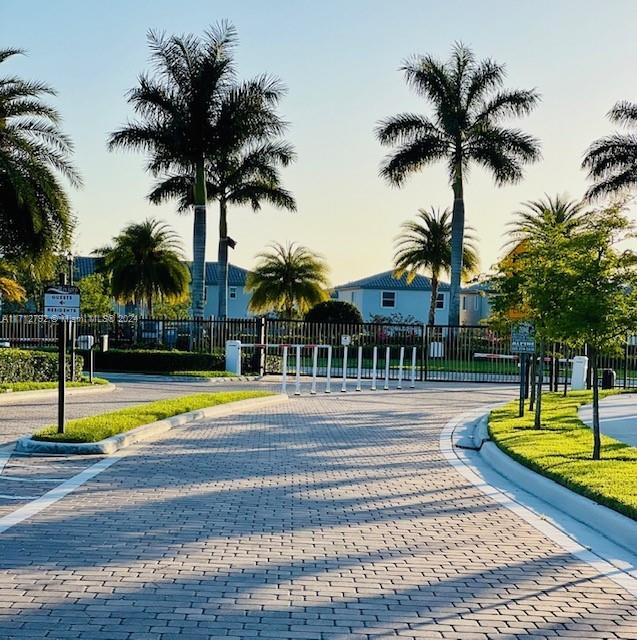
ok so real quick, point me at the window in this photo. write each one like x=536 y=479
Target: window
x=388 y=299
x=476 y=303
x=232 y=293
x=464 y=303
x=440 y=301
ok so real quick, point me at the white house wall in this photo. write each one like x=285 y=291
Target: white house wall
x=237 y=307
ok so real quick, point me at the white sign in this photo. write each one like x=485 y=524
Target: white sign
x=346 y=340
x=62 y=303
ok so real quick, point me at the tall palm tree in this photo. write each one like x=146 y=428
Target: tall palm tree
x=288 y=279
x=34 y=209
x=612 y=160
x=425 y=245
x=145 y=262
x=469 y=105
x=209 y=137
x=540 y=218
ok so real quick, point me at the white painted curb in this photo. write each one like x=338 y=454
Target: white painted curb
x=146 y=431
x=48 y=394
x=618 y=528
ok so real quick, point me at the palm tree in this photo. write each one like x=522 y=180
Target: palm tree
x=541 y=218
x=288 y=279
x=209 y=137
x=34 y=209
x=425 y=245
x=145 y=262
x=469 y=104
x=10 y=289
x=612 y=160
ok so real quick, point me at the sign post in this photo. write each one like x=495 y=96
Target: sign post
x=62 y=303
x=523 y=343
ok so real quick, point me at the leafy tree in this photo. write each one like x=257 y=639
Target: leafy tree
x=95 y=299
x=172 y=310
x=469 y=105
x=334 y=311
x=425 y=245
x=287 y=279
x=34 y=209
x=209 y=137
x=10 y=289
x=145 y=262
x=611 y=161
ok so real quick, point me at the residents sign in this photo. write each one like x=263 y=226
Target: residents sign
x=523 y=338
x=62 y=302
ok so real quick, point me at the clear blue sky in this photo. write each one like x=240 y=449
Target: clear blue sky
x=340 y=62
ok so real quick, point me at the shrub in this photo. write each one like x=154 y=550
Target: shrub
x=334 y=311
x=154 y=360
x=26 y=365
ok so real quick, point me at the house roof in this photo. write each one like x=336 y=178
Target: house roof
x=387 y=281
x=85 y=266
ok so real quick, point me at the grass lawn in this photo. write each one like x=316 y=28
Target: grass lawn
x=562 y=450
x=6 y=387
x=95 y=428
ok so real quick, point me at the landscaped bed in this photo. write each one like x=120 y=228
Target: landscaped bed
x=562 y=450
x=96 y=428
x=8 y=387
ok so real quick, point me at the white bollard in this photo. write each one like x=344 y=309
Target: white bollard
x=344 y=384
x=386 y=387
x=400 y=368
x=360 y=369
x=413 y=369
x=374 y=363
x=297 y=386
x=284 y=371
x=314 y=367
x=329 y=370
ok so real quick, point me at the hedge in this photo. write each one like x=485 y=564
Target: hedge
x=151 y=360
x=26 y=365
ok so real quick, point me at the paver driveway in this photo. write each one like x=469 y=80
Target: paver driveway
x=328 y=517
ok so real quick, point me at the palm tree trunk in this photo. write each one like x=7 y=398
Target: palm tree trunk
x=597 y=442
x=457 y=241
x=223 y=259
x=432 y=304
x=199 y=244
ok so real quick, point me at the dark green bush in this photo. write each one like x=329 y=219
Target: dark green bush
x=154 y=360
x=27 y=365
x=334 y=311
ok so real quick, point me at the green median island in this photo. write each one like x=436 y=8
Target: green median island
x=562 y=450
x=105 y=425
x=8 y=387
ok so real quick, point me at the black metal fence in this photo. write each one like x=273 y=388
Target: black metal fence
x=442 y=353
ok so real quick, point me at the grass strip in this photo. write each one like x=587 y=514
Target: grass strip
x=105 y=425
x=7 y=387
x=562 y=450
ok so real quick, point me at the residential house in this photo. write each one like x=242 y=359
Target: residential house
x=238 y=298
x=382 y=294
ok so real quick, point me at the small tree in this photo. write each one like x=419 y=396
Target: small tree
x=597 y=283
x=334 y=311
x=94 y=297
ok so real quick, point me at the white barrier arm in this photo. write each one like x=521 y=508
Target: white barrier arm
x=329 y=370
x=344 y=384
x=401 y=360
x=374 y=363
x=386 y=387
x=284 y=371
x=360 y=369
x=413 y=369
x=297 y=386
x=314 y=367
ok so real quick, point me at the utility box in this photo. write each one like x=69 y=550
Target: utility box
x=104 y=342
x=578 y=375
x=608 y=378
x=233 y=356
x=85 y=343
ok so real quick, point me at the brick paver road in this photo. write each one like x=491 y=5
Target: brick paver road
x=328 y=517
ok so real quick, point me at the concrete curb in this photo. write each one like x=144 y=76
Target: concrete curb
x=613 y=525
x=146 y=431
x=49 y=394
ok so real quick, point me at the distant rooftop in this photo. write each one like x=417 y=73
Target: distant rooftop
x=86 y=265
x=386 y=280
